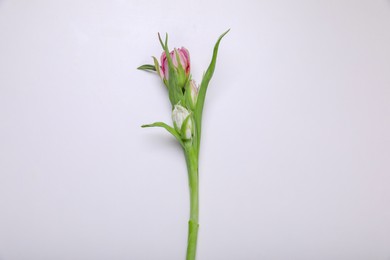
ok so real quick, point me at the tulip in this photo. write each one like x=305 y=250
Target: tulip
x=181 y=61
x=187 y=99
x=182 y=121
x=179 y=115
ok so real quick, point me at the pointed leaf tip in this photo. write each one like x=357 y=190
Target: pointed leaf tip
x=147 y=67
x=161 y=42
x=204 y=85
x=228 y=30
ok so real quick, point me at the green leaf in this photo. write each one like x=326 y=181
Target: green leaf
x=147 y=67
x=203 y=87
x=168 y=128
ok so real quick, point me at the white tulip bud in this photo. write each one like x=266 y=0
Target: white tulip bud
x=182 y=121
x=179 y=114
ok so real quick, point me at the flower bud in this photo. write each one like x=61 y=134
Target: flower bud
x=181 y=61
x=193 y=91
x=179 y=114
x=182 y=121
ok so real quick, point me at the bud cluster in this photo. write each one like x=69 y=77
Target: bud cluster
x=175 y=71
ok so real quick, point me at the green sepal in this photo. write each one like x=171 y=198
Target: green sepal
x=158 y=69
x=147 y=67
x=168 y=128
x=181 y=73
x=184 y=127
x=165 y=47
x=187 y=95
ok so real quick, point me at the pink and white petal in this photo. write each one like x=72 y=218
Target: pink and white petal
x=185 y=53
x=163 y=58
x=165 y=69
x=174 y=57
x=183 y=59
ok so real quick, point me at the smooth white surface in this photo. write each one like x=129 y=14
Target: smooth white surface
x=295 y=158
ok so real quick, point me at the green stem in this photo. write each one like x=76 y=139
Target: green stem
x=193 y=179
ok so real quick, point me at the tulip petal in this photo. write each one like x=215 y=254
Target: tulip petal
x=178 y=60
x=186 y=57
x=175 y=58
x=186 y=53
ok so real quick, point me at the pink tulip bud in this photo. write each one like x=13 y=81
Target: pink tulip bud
x=180 y=55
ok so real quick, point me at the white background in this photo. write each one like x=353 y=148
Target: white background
x=295 y=160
